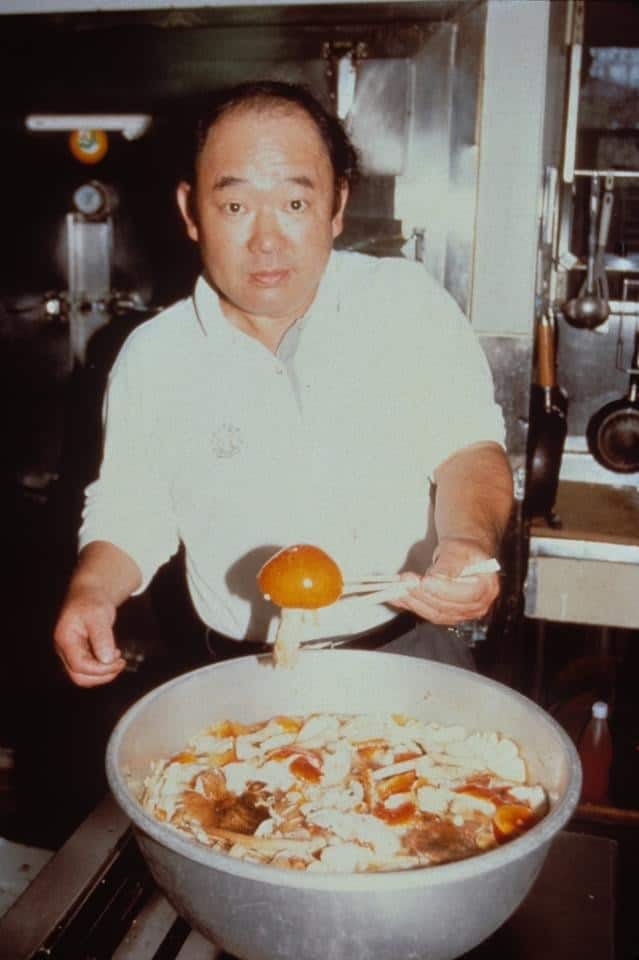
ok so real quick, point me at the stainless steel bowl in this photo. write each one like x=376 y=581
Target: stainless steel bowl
x=257 y=912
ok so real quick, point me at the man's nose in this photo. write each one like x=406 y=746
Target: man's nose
x=266 y=235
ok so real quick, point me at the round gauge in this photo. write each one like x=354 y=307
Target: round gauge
x=89 y=199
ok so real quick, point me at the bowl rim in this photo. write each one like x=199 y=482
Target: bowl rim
x=486 y=862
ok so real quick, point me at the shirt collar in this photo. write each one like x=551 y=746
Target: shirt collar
x=208 y=312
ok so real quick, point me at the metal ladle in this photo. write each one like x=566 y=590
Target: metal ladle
x=591 y=308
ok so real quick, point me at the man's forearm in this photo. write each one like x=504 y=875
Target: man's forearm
x=474 y=495
x=103 y=567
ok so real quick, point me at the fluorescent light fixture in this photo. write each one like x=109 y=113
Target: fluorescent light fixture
x=131 y=125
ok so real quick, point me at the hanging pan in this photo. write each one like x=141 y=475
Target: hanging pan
x=613 y=431
x=547 y=430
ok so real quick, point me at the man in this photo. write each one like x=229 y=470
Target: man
x=301 y=395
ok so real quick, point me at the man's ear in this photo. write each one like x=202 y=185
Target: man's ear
x=341 y=198
x=184 y=197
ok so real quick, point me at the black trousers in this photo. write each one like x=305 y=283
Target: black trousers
x=405 y=634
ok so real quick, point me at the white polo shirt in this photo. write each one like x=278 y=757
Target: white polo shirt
x=214 y=441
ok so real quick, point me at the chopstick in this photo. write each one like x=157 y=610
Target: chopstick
x=378 y=589
x=372 y=582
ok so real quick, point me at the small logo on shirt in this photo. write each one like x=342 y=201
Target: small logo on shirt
x=226 y=441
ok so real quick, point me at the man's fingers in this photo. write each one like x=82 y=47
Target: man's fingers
x=91 y=680
x=464 y=590
x=445 y=601
x=86 y=646
x=103 y=645
x=80 y=660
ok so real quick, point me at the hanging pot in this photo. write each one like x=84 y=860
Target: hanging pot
x=613 y=431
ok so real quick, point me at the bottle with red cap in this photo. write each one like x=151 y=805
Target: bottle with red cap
x=595 y=752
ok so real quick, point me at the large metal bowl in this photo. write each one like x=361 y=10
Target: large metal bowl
x=257 y=912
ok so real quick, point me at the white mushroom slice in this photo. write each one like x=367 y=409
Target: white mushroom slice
x=438 y=773
x=434 y=800
x=363 y=728
x=205 y=743
x=279 y=740
x=271 y=729
x=394 y=768
x=535 y=797
x=337 y=764
x=346 y=858
x=466 y=804
x=319 y=730
x=397 y=799
x=433 y=735
x=511 y=768
x=336 y=798
x=359 y=826
x=239 y=852
x=273 y=844
x=399 y=862
x=246 y=748
x=491 y=752
x=274 y=775
x=164 y=794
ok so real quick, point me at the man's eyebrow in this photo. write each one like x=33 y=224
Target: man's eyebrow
x=227 y=181
x=302 y=181
x=230 y=181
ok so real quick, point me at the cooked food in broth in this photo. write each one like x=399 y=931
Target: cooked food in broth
x=346 y=793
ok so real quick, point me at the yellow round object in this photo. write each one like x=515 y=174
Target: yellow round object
x=301 y=576
x=88 y=146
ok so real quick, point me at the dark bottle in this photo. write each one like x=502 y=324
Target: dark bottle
x=595 y=752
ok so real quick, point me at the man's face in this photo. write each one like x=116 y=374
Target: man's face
x=262 y=211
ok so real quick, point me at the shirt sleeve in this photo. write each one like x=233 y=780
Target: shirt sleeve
x=461 y=409
x=129 y=505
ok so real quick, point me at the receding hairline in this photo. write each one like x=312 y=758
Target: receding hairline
x=263 y=103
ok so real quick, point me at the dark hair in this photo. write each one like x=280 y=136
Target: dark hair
x=267 y=93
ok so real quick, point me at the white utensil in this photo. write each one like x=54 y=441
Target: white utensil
x=381 y=589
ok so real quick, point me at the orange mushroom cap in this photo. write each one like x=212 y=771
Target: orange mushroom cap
x=301 y=576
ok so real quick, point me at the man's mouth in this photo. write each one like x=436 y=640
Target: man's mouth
x=269 y=278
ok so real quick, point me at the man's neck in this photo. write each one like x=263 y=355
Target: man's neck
x=266 y=330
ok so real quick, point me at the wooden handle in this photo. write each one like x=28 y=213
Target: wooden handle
x=545 y=354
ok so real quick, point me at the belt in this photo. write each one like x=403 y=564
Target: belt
x=223 y=648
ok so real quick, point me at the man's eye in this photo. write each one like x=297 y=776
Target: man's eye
x=298 y=205
x=233 y=207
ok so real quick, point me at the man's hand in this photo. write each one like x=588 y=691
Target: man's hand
x=473 y=500
x=442 y=596
x=84 y=639
x=104 y=577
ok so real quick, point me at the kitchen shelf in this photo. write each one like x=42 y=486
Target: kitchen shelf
x=587 y=570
